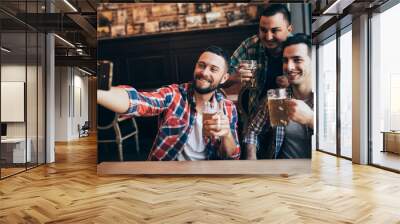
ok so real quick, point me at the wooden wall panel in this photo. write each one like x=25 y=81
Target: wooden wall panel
x=150 y=71
x=185 y=73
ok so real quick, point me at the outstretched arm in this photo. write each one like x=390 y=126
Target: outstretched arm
x=115 y=99
x=128 y=100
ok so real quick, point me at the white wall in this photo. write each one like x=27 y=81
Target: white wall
x=14 y=73
x=61 y=103
x=71 y=102
x=80 y=110
x=33 y=126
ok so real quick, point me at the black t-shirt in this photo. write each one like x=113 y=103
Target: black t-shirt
x=274 y=70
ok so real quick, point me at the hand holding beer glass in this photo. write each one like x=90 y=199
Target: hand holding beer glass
x=247 y=71
x=282 y=81
x=215 y=122
x=300 y=112
x=278 y=107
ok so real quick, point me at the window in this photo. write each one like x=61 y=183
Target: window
x=346 y=92
x=327 y=95
x=385 y=85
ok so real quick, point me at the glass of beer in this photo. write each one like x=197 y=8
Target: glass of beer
x=252 y=66
x=277 y=107
x=209 y=110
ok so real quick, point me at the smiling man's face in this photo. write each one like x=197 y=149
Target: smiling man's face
x=209 y=73
x=296 y=63
x=273 y=31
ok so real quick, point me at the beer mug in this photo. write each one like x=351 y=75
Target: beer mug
x=277 y=107
x=209 y=110
x=252 y=66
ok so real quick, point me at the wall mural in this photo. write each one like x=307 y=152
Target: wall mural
x=270 y=117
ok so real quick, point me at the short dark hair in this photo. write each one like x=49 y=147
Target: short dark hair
x=298 y=38
x=273 y=9
x=219 y=51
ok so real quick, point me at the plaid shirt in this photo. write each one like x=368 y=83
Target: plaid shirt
x=177 y=107
x=260 y=123
x=252 y=49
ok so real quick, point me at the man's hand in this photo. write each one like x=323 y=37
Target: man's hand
x=282 y=81
x=251 y=152
x=245 y=74
x=300 y=112
x=115 y=99
x=234 y=78
x=240 y=76
x=217 y=126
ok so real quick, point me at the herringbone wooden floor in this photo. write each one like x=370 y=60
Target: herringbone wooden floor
x=70 y=191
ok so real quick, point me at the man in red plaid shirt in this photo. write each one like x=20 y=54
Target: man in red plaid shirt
x=182 y=135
